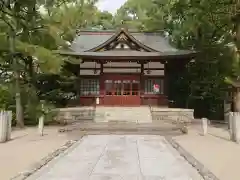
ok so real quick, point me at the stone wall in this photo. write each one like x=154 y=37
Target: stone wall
x=72 y=115
x=172 y=115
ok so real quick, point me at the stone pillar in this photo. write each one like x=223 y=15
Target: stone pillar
x=231 y=126
x=67 y=117
x=204 y=126
x=9 y=119
x=41 y=125
x=41 y=120
x=235 y=127
x=3 y=126
x=227 y=109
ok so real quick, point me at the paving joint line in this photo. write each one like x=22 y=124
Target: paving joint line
x=101 y=155
x=203 y=171
x=139 y=163
x=45 y=161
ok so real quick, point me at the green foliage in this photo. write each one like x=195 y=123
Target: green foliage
x=29 y=31
x=205 y=26
x=6 y=98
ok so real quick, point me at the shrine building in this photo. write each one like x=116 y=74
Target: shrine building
x=124 y=68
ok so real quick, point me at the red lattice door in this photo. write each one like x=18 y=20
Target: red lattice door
x=121 y=90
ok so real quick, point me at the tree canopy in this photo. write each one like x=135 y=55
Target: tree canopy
x=30 y=30
x=209 y=27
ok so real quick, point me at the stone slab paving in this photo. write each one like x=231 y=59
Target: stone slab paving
x=119 y=157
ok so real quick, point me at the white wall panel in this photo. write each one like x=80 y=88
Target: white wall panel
x=154 y=65
x=119 y=64
x=89 y=72
x=155 y=73
x=89 y=65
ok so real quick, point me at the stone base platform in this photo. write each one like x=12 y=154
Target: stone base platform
x=73 y=115
x=143 y=114
x=156 y=127
x=172 y=114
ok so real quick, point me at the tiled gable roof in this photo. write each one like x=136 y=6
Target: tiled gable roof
x=87 y=40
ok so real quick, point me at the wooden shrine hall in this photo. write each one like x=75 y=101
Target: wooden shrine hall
x=125 y=68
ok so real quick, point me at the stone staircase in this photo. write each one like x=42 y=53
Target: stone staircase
x=123 y=114
x=156 y=127
x=124 y=119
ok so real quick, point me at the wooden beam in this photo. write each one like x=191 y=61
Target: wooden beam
x=142 y=69
x=120 y=67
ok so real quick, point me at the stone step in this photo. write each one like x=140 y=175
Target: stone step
x=142 y=114
x=130 y=114
x=121 y=126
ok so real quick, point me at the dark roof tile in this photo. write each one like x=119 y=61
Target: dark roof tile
x=87 y=40
x=84 y=42
x=154 y=41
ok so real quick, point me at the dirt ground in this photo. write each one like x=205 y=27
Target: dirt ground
x=215 y=151
x=27 y=148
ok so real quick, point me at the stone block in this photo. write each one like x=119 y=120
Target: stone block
x=231 y=126
x=3 y=126
x=9 y=116
x=41 y=125
x=71 y=115
x=235 y=126
x=204 y=126
x=173 y=115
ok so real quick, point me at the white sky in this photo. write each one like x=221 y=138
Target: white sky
x=110 y=5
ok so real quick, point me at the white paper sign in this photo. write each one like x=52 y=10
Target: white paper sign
x=156 y=88
x=97 y=101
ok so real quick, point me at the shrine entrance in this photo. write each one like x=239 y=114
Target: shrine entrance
x=121 y=90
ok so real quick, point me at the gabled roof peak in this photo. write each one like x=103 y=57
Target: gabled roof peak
x=89 y=39
x=122 y=35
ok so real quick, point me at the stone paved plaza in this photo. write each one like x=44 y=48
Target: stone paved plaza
x=119 y=157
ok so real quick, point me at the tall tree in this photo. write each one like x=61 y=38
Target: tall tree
x=201 y=25
x=21 y=20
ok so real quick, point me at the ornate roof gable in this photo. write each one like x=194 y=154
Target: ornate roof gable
x=122 y=40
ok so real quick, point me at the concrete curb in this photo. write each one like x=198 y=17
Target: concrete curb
x=24 y=175
x=203 y=171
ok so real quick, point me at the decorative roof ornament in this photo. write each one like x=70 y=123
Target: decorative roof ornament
x=123 y=25
x=122 y=37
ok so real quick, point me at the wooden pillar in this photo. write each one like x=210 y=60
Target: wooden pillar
x=79 y=83
x=166 y=79
x=101 y=68
x=101 y=84
x=142 y=82
x=142 y=79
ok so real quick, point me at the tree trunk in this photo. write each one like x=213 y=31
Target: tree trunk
x=19 y=108
x=236 y=21
x=237 y=101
